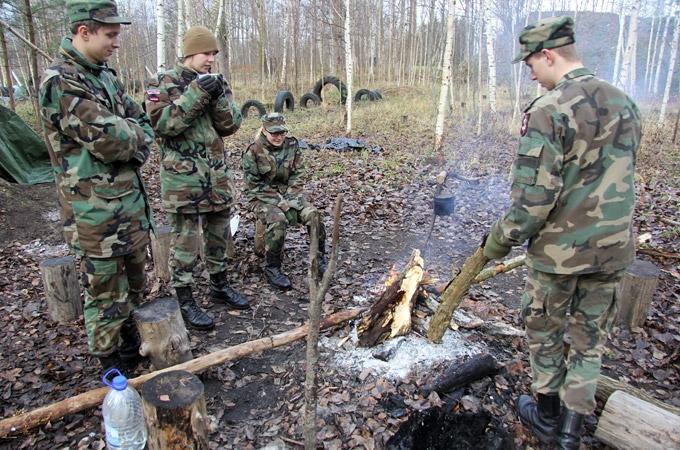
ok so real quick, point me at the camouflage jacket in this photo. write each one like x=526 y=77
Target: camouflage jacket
x=98 y=137
x=273 y=173
x=573 y=190
x=189 y=126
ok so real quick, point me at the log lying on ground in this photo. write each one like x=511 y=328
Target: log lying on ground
x=390 y=316
x=40 y=416
x=165 y=339
x=459 y=375
x=628 y=422
x=606 y=386
x=175 y=412
x=453 y=294
x=62 y=291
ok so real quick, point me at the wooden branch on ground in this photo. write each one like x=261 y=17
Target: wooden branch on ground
x=316 y=295
x=453 y=295
x=459 y=375
x=503 y=267
x=390 y=316
x=15 y=425
x=606 y=387
x=658 y=253
x=628 y=422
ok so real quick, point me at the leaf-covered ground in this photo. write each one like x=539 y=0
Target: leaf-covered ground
x=387 y=212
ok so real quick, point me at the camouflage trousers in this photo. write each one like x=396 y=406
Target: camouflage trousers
x=113 y=289
x=276 y=221
x=584 y=307
x=184 y=251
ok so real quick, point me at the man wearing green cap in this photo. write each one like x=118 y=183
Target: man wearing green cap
x=573 y=197
x=272 y=166
x=99 y=137
x=191 y=111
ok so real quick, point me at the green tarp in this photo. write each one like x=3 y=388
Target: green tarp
x=23 y=155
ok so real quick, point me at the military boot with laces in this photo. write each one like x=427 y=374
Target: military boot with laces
x=221 y=292
x=272 y=270
x=193 y=315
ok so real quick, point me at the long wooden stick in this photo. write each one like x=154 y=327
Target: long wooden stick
x=26 y=41
x=454 y=293
x=15 y=425
x=316 y=294
x=505 y=266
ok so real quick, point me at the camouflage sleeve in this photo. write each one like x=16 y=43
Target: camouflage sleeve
x=256 y=183
x=173 y=112
x=537 y=182
x=226 y=116
x=295 y=184
x=134 y=111
x=108 y=137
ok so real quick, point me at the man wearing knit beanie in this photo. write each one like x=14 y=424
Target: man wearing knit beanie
x=191 y=111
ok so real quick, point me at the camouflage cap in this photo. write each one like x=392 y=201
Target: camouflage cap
x=551 y=32
x=103 y=11
x=274 y=122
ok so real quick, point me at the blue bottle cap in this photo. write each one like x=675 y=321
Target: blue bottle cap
x=119 y=383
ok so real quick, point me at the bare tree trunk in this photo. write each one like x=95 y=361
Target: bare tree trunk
x=659 y=61
x=490 y=55
x=295 y=17
x=7 y=69
x=479 y=77
x=282 y=77
x=648 y=61
x=446 y=77
x=671 y=71
x=619 y=46
x=629 y=55
x=262 y=42
x=35 y=76
x=181 y=26
x=160 y=36
x=348 y=65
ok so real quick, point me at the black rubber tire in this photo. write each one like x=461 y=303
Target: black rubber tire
x=261 y=110
x=309 y=97
x=329 y=79
x=364 y=94
x=284 y=99
x=377 y=94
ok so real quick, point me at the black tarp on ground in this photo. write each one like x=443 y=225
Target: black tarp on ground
x=23 y=155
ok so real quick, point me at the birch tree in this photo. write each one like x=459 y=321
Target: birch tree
x=282 y=77
x=671 y=69
x=627 y=79
x=348 y=65
x=619 y=46
x=7 y=69
x=160 y=36
x=181 y=26
x=662 y=48
x=490 y=55
x=446 y=77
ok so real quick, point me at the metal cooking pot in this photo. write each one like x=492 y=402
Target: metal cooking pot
x=444 y=205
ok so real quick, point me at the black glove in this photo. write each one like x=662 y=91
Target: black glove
x=212 y=85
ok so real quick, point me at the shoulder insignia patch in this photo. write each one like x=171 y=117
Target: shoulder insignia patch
x=153 y=95
x=525 y=124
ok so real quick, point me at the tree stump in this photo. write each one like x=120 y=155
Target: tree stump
x=62 y=291
x=164 y=337
x=259 y=238
x=635 y=292
x=160 y=250
x=175 y=412
x=628 y=422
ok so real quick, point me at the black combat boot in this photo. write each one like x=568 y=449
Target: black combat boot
x=541 y=417
x=114 y=361
x=272 y=271
x=130 y=342
x=570 y=430
x=191 y=312
x=221 y=292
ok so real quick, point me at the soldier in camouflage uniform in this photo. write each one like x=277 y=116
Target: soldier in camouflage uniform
x=272 y=166
x=572 y=197
x=99 y=137
x=191 y=111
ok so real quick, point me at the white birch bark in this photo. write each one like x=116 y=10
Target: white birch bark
x=348 y=64
x=628 y=57
x=282 y=76
x=220 y=15
x=662 y=50
x=446 y=77
x=490 y=55
x=160 y=36
x=671 y=69
x=648 y=61
x=181 y=26
x=619 y=46
x=372 y=38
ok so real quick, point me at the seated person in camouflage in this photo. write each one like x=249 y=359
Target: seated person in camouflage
x=191 y=112
x=272 y=166
x=99 y=137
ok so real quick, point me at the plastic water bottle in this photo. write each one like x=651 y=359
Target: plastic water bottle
x=123 y=415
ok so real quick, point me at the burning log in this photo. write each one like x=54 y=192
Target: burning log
x=390 y=316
